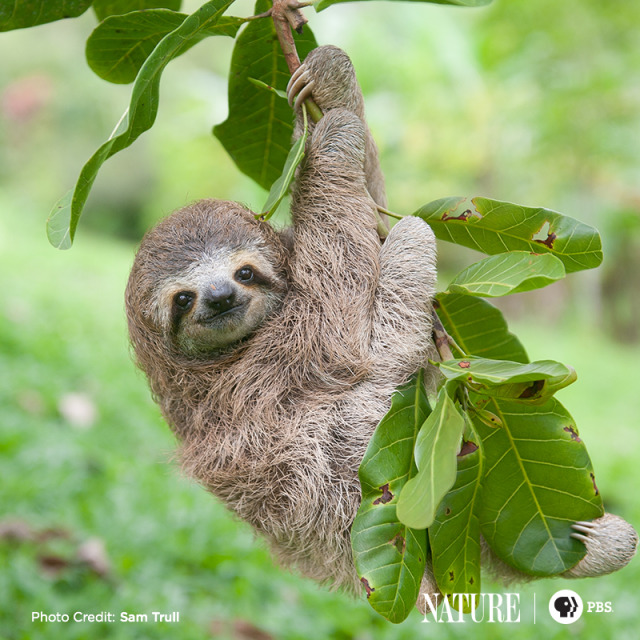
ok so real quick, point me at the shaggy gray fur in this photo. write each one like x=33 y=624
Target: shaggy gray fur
x=276 y=424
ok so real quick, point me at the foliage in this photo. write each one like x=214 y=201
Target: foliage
x=387 y=552
x=494 y=419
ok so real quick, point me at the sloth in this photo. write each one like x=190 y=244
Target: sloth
x=274 y=355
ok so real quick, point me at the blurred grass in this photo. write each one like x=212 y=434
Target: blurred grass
x=171 y=546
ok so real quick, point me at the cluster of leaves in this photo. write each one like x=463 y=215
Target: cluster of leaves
x=497 y=455
x=135 y=41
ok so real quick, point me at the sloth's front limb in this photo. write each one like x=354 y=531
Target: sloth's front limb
x=327 y=75
x=334 y=261
x=401 y=337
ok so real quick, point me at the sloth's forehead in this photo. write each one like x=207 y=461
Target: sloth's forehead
x=206 y=265
x=213 y=264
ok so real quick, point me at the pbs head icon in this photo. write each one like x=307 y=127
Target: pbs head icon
x=565 y=606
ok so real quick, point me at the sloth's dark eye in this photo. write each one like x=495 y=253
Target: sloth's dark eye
x=244 y=275
x=184 y=300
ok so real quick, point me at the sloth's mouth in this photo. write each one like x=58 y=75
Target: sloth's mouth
x=214 y=318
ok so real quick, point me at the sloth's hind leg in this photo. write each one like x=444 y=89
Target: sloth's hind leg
x=611 y=543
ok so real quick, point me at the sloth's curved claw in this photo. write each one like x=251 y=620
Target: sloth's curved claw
x=582 y=527
x=299 y=82
x=303 y=95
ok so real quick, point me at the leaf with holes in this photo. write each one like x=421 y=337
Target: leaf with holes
x=22 y=14
x=140 y=116
x=323 y=4
x=478 y=328
x=507 y=273
x=454 y=536
x=538 y=481
x=436 y=449
x=119 y=46
x=257 y=133
x=389 y=556
x=492 y=226
x=105 y=8
x=536 y=381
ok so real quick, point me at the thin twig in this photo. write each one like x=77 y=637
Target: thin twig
x=441 y=338
x=286 y=15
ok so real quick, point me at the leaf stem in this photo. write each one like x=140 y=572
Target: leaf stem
x=441 y=338
x=391 y=214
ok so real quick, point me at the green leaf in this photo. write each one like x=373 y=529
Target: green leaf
x=494 y=227
x=478 y=327
x=390 y=557
x=323 y=4
x=454 y=536
x=57 y=225
x=280 y=187
x=22 y=14
x=105 y=8
x=119 y=46
x=507 y=273
x=538 y=482
x=257 y=133
x=536 y=381
x=140 y=116
x=436 y=448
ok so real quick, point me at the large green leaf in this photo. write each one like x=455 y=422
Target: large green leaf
x=494 y=227
x=478 y=328
x=106 y=8
x=257 y=133
x=534 y=382
x=119 y=46
x=390 y=557
x=140 y=116
x=436 y=449
x=22 y=14
x=508 y=273
x=454 y=536
x=323 y=4
x=538 y=482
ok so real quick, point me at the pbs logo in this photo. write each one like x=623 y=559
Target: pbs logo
x=565 y=606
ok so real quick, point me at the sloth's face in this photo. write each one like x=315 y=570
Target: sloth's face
x=221 y=299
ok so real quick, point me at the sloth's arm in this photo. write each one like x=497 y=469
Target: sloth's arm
x=334 y=261
x=328 y=76
x=402 y=322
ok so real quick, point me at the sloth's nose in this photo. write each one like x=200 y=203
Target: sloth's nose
x=220 y=298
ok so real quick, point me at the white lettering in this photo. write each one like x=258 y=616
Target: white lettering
x=513 y=606
x=133 y=617
x=461 y=598
x=49 y=617
x=501 y=608
x=495 y=606
x=431 y=607
x=476 y=607
x=446 y=608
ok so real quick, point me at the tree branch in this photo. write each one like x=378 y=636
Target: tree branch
x=286 y=15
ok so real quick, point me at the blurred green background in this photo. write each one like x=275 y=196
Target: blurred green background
x=537 y=103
